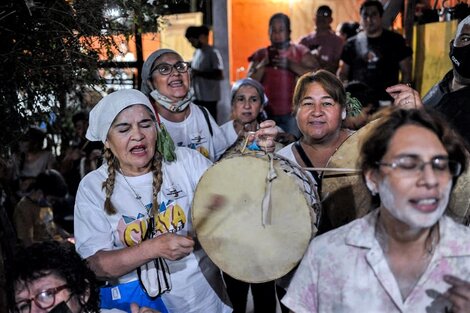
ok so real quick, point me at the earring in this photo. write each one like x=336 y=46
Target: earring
x=371 y=188
x=343 y=114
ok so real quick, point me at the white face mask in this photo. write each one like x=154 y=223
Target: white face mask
x=403 y=212
x=171 y=105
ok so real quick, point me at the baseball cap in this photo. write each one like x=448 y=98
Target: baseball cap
x=324 y=10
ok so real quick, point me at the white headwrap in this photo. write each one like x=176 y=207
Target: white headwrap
x=104 y=113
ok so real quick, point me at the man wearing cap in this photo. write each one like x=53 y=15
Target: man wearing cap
x=376 y=56
x=323 y=42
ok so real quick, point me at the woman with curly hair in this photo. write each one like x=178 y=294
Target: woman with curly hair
x=51 y=274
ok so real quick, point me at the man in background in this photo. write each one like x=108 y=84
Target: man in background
x=376 y=56
x=206 y=69
x=323 y=42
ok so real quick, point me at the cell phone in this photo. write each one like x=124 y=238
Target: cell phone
x=273 y=53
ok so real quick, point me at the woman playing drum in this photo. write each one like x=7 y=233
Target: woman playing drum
x=405 y=256
x=320 y=107
x=136 y=195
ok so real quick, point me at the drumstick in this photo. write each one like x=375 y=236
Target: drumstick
x=327 y=169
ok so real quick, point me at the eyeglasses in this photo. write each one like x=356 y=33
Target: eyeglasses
x=167 y=68
x=44 y=300
x=412 y=165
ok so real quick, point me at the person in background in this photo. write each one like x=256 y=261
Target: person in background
x=166 y=81
x=369 y=105
x=82 y=156
x=133 y=214
x=33 y=216
x=206 y=69
x=324 y=44
x=32 y=158
x=406 y=255
x=449 y=96
x=277 y=67
x=248 y=101
x=376 y=56
x=347 y=30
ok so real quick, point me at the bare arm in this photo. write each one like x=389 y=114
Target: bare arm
x=306 y=64
x=405 y=69
x=343 y=72
x=115 y=263
x=256 y=69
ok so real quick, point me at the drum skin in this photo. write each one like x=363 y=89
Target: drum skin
x=345 y=196
x=459 y=204
x=232 y=233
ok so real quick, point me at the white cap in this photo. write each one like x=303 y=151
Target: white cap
x=104 y=113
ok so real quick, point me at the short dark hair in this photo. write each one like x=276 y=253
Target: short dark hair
x=349 y=29
x=372 y=3
x=61 y=259
x=196 y=31
x=332 y=85
x=283 y=18
x=375 y=144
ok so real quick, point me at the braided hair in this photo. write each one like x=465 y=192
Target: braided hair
x=108 y=184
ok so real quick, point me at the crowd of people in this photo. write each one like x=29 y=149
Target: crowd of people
x=107 y=225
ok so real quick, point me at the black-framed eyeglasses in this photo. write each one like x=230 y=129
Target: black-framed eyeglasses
x=167 y=68
x=44 y=300
x=412 y=165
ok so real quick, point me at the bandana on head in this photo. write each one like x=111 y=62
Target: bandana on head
x=104 y=113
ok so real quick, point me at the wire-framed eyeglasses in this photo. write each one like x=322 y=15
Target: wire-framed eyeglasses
x=412 y=165
x=167 y=68
x=44 y=300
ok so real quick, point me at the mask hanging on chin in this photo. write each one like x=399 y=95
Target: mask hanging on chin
x=171 y=105
x=460 y=58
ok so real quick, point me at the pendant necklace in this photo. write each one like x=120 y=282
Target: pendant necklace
x=137 y=196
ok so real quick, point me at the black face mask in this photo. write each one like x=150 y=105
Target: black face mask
x=460 y=58
x=61 y=308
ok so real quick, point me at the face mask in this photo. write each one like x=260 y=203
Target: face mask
x=171 y=105
x=460 y=57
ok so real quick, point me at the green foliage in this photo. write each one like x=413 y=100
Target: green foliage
x=49 y=54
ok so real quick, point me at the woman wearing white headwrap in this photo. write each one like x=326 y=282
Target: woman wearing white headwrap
x=166 y=81
x=132 y=215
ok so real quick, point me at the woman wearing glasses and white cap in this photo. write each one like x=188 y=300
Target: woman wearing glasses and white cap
x=405 y=256
x=132 y=215
x=166 y=81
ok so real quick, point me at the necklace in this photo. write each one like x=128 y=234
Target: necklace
x=137 y=196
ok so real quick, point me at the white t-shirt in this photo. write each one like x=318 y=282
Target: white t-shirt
x=95 y=230
x=194 y=133
x=229 y=132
